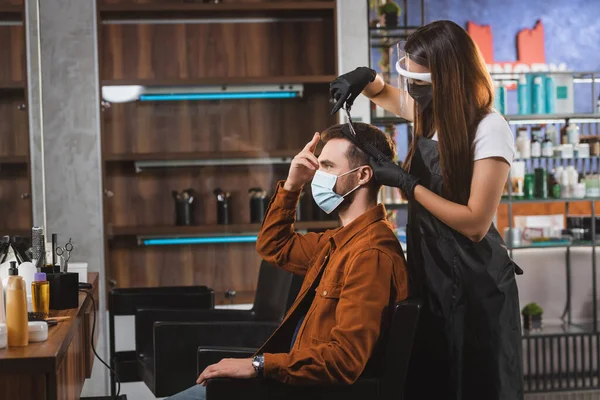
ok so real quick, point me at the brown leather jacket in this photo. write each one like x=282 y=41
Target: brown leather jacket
x=365 y=276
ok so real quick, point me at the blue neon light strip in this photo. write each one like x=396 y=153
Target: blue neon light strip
x=200 y=240
x=219 y=96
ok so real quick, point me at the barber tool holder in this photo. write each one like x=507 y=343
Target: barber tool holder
x=64 y=290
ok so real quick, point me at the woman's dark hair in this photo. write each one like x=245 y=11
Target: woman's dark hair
x=462 y=95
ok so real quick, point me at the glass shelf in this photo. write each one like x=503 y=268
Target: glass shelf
x=516 y=200
x=560 y=330
x=395 y=206
x=554 y=245
x=388 y=120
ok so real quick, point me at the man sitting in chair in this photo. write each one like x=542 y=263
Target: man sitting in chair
x=353 y=275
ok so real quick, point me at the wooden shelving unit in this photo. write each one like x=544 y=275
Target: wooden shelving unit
x=6 y=8
x=197 y=155
x=15 y=177
x=106 y=7
x=14 y=160
x=134 y=49
x=171 y=230
x=12 y=85
x=222 y=80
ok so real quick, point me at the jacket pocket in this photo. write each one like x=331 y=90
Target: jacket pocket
x=323 y=319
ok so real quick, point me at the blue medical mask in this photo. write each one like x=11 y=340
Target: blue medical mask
x=322 y=190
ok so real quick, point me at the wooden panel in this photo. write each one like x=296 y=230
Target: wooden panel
x=12 y=54
x=88 y=321
x=210 y=229
x=579 y=208
x=117 y=5
x=14 y=182
x=220 y=266
x=145 y=199
x=14 y=132
x=22 y=386
x=259 y=126
x=168 y=51
x=70 y=375
x=11 y=3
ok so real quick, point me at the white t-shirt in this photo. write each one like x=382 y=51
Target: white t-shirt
x=493 y=138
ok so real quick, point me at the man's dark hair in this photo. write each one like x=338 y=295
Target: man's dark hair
x=357 y=157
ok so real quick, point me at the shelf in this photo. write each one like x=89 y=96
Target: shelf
x=582 y=243
x=395 y=206
x=556 y=158
x=11 y=9
x=12 y=85
x=222 y=80
x=399 y=32
x=209 y=229
x=241 y=297
x=200 y=7
x=15 y=232
x=550 y=118
x=388 y=120
x=14 y=160
x=560 y=330
x=200 y=155
x=533 y=201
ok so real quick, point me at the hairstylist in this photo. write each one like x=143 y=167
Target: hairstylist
x=469 y=341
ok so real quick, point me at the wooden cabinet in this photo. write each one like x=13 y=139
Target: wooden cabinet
x=191 y=45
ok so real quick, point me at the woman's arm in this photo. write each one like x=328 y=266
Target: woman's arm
x=388 y=97
x=474 y=219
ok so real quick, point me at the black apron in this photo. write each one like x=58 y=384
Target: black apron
x=468 y=343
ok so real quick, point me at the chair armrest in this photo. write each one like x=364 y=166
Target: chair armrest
x=146 y=317
x=126 y=301
x=176 y=345
x=213 y=354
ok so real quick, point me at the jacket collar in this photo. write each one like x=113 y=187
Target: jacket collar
x=344 y=234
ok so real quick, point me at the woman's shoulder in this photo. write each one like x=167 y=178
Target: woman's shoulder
x=493 y=121
x=494 y=138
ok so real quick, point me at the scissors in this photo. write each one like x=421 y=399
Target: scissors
x=65 y=254
x=367 y=147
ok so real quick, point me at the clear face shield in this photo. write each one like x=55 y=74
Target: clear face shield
x=414 y=80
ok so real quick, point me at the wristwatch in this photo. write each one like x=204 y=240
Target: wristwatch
x=258 y=362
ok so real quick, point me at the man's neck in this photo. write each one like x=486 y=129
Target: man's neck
x=358 y=207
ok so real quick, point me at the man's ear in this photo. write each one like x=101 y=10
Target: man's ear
x=365 y=174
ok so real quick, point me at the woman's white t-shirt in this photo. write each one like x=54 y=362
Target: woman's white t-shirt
x=493 y=138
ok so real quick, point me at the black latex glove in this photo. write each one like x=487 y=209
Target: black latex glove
x=345 y=88
x=389 y=173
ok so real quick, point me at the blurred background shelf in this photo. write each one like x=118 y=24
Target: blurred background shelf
x=200 y=155
x=200 y=7
x=210 y=229
x=221 y=80
x=14 y=160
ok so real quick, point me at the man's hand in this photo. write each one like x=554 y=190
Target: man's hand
x=303 y=167
x=240 y=368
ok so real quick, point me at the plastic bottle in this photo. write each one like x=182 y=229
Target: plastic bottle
x=523 y=95
x=40 y=292
x=573 y=179
x=27 y=270
x=547 y=147
x=16 y=309
x=550 y=90
x=539 y=96
x=553 y=135
x=523 y=144
x=536 y=142
x=564 y=185
x=500 y=98
x=573 y=134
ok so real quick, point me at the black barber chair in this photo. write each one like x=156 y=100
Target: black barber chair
x=388 y=386
x=123 y=302
x=166 y=340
